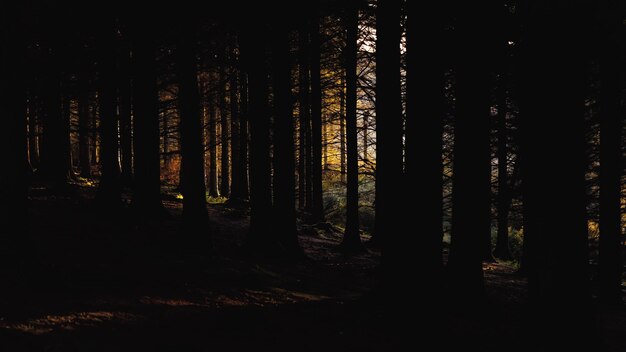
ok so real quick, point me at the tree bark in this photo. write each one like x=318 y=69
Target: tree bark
x=224 y=131
x=352 y=236
x=235 y=170
x=502 y=250
x=253 y=49
x=195 y=216
x=284 y=155
x=147 y=186
x=213 y=191
x=611 y=153
x=317 y=207
x=304 y=115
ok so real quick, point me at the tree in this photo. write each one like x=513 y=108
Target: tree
x=317 y=208
x=195 y=216
x=502 y=250
x=352 y=237
x=224 y=140
x=236 y=177
x=125 y=112
x=253 y=51
x=424 y=130
x=553 y=100
x=84 y=122
x=389 y=149
x=109 y=190
x=213 y=192
x=284 y=155
x=611 y=150
x=147 y=186
x=304 y=114
x=471 y=208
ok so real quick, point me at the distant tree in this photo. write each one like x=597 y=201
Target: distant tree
x=212 y=107
x=124 y=85
x=84 y=122
x=236 y=177
x=224 y=131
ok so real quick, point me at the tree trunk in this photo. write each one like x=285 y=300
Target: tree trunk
x=611 y=153
x=553 y=103
x=471 y=182
x=304 y=160
x=243 y=133
x=195 y=216
x=109 y=190
x=33 y=138
x=212 y=141
x=235 y=170
x=342 y=131
x=147 y=186
x=284 y=155
x=84 y=122
x=317 y=207
x=224 y=130
x=125 y=115
x=254 y=60
x=502 y=250
x=352 y=237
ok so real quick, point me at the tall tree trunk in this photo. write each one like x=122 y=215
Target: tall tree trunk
x=195 y=216
x=389 y=149
x=471 y=182
x=14 y=177
x=284 y=155
x=243 y=133
x=317 y=207
x=304 y=118
x=147 y=186
x=553 y=103
x=84 y=122
x=254 y=60
x=366 y=118
x=212 y=140
x=224 y=130
x=342 y=130
x=611 y=153
x=502 y=250
x=33 y=139
x=235 y=169
x=125 y=114
x=53 y=160
x=352 y=237
x=109 y=190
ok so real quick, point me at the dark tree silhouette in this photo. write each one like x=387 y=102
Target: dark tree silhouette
x=253 y=51
x=317 y=208
x=304 y=115
x=124 y=86
x=611 y=153
x=109 y=190
x=195 y=216
x=224 y=135
x=236 y=176
x=284 y=155
x=147 y=186
x=352 y=236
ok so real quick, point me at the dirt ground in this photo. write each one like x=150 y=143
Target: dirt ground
x=106 y=284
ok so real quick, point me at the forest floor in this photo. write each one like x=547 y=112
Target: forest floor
x=102 y=284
